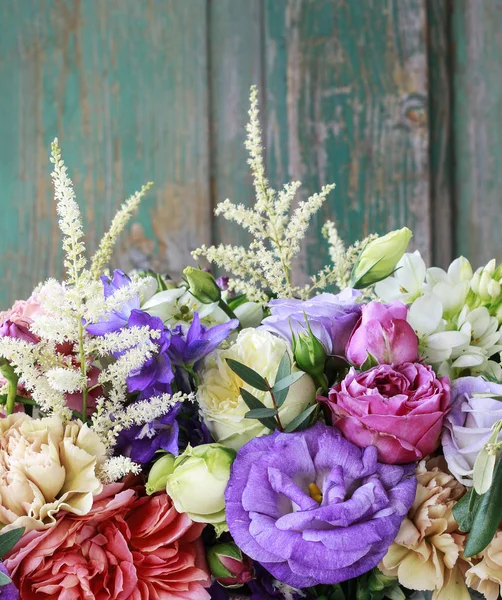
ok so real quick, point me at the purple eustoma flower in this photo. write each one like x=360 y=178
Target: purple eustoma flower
x=313 y=508
x=141 y=442
x=331 y=318
x=120 y=317
x=9 y=591
x=188 y=349
x=156 y=374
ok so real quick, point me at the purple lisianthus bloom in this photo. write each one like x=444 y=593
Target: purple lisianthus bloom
x=9 y=591
x=119 y=317
x=468 y=425
x=331 y=317
x=199 y=341
x=156 y=374
x=313 y=508
x=141 y=442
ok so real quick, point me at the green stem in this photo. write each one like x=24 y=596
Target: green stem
x=83 y=369
x=229 y=312
x=12 y=379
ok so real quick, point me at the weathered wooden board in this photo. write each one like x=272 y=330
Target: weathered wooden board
x=477 y=128
x=346 y=98
x=123 y=84
x=235 y=63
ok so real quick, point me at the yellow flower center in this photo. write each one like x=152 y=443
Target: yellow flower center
x=315 y=493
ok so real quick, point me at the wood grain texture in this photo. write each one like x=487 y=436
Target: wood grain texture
x=346 y=98
x=123 y=84
x=477 y=126
x=235 y=63
x=440 y=130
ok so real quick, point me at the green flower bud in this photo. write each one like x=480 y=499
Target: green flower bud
x=159 y=473
x=379 y=258
x=310 y=354
x=202 y=285
x=229 y=566
x=198 y=481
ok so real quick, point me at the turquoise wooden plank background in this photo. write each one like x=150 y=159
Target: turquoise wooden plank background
x=397 y=101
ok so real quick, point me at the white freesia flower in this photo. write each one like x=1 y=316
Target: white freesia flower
x=436 y=342
x=484 y=338
x=177 y=307
x=408 y=281
x=452 y=286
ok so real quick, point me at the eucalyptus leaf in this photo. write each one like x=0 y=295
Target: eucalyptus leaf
x=483 y=471
x=248 y=375
x=283 y=371
x=251 y=401
x=301 y=420
x=9 y=539
x=465 y=509
x=4 y=580
x=261 y=413
x=488 y=516
x=287 y=382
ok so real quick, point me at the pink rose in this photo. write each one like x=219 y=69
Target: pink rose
x=399 y=410
x=16 y=321
x=383 y=332
x=129 y=547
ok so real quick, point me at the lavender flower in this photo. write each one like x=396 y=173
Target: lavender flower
x=313 y=508
x=331 y=317
x=118 y=318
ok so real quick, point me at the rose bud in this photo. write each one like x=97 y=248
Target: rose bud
x=159 y=473
x=379 y=258
x=310 y=355
x=229 y=566
x=202 y=285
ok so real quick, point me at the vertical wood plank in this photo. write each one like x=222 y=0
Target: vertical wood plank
x=235 y=37
x=123 y=84
x=441 y=146
x=477 y=126
x=346 y=101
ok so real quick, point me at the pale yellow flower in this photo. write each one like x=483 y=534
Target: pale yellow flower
x=46 y=466
x=486 y=575
x=427 y=552
x=219 y=397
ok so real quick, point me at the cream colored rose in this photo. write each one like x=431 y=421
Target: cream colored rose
x=46 y=466
x=220 y=401
x=486 y=575
x=427 y=553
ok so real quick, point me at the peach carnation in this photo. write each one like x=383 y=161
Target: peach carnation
x=46 y=466
x=486 y=575
x=427 y=552
x=128 y=547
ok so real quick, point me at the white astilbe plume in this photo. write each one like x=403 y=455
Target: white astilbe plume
x=120 y=220
x=267 y=264
x=116 y=468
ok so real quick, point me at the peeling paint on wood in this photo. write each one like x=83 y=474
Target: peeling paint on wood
x=347 y=102
x=123 y=84
x=477 y=127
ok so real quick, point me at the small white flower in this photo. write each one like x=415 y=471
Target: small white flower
x=484 y=338
x=408 y=281
x=66 y=380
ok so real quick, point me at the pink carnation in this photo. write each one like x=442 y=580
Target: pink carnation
x=398 y=409
x=129 y=547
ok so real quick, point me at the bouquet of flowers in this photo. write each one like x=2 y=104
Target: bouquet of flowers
x=248 y=437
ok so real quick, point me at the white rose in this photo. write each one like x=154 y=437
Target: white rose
x=220 y=401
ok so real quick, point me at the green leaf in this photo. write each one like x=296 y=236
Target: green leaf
x=283 y=371
x=251 y=401
x=261 y=413
x=465 y=510
x=287 y=382
x=488 y=516
x=248 y=375
x=4 y=580
x=301 y=420
x=9 y=539
x=369 y=362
